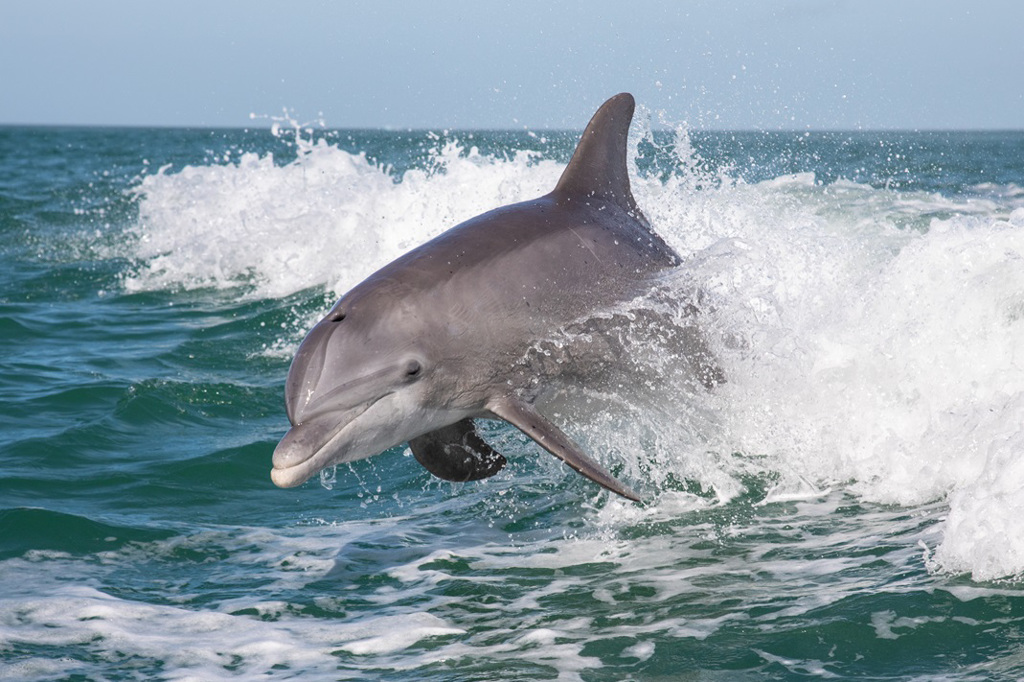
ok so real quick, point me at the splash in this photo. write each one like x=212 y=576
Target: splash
x=871 y=338
x=327 y=219
x=869 y=345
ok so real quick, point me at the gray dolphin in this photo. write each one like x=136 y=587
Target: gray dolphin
x=429 y=342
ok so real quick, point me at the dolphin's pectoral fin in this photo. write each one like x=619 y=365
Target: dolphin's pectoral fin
x=457 y=453
x=525 y=418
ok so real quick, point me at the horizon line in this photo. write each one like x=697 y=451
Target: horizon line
x=523 y=129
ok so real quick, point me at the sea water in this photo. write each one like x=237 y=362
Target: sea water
x=848 y=504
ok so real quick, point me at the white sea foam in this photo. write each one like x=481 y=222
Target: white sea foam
x=288 y=605
x=871 y=338
x=888 y=358
x=251 y=635
x=329 y=218
x=197 y=644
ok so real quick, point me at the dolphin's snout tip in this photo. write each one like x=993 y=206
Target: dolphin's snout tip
x=301 y=453
x=284 y=478
x=287 y=455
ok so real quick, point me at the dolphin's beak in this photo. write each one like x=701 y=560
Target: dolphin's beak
x=295 y=457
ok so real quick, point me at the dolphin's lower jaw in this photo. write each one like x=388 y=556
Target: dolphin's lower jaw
x=349 y=435
x=308 y=448
x=294 y=465
x=292 y=476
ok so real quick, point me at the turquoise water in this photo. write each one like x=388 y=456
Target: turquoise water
x=849 y=504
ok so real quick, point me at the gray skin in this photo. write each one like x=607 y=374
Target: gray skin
x=431 y=341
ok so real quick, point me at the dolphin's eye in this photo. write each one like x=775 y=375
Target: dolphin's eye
x=413 y=368
x=338 y=316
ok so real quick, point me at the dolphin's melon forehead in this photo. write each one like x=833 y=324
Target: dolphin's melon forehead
x=380 y=291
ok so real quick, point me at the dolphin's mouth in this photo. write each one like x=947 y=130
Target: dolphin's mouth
x=304 y=451
x=309 y=447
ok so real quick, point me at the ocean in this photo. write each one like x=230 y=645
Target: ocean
x=848 y=504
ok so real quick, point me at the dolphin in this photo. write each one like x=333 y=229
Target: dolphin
x=432 y=341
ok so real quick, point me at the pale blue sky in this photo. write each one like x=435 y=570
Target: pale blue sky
x=443 y=64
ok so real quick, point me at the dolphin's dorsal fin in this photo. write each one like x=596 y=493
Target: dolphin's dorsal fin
x=598 y=166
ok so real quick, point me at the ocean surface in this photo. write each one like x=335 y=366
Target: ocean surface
x=849 y=504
